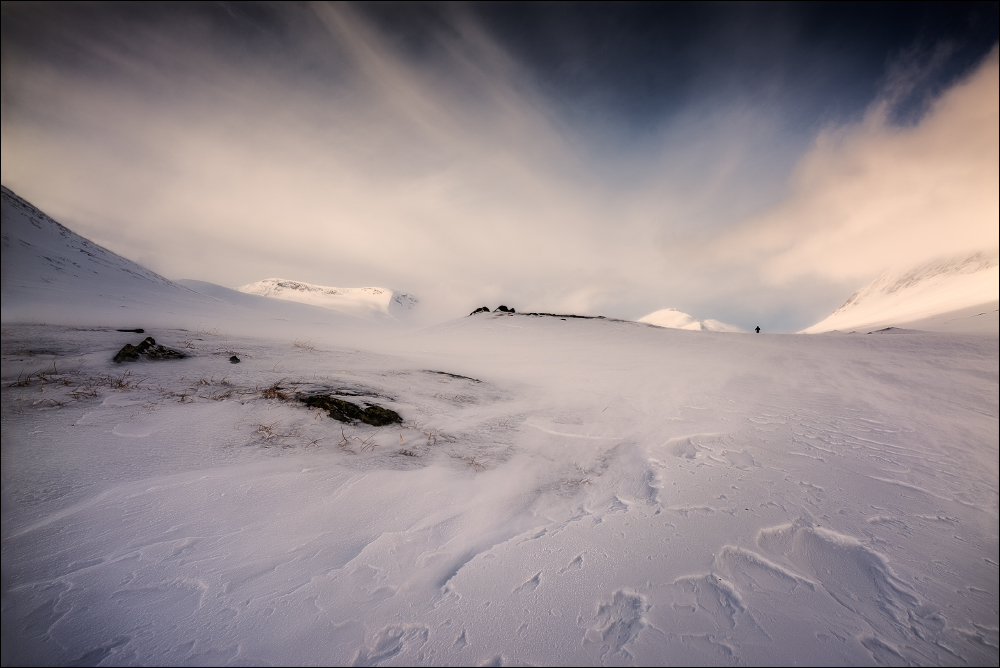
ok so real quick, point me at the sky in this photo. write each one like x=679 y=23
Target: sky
x=751 y=163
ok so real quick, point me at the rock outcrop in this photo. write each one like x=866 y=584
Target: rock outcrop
x=147 y=349
x=345 y=411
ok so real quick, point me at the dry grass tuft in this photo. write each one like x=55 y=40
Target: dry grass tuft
x=84 y=392
x=276 y=392
x=366 y=444
x=472 y=461
x=184 y=397
x=369 y=443
x=43 y=376
x=124 y=381
x=305 y=344
x=23 y=380
x=267 y=431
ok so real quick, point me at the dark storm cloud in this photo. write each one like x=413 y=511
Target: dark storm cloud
x=646 y=61
x=589 y=157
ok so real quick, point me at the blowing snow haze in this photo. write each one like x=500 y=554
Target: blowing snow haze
x=254 y=412
x=754 y=165
x=196 y=475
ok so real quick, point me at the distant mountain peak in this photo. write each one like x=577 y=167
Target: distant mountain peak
x=365 y=302
x=671 y=318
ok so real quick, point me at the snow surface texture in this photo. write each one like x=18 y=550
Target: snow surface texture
x=577 y=491
x=671 y=318
x=952 y=295
x=363 y=302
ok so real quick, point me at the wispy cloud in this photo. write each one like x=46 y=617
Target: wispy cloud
x=872 y=196
x=338 y=156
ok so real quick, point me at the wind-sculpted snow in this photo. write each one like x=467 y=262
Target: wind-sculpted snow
x=589 y=492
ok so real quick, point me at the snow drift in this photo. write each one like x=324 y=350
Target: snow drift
x=955 y=294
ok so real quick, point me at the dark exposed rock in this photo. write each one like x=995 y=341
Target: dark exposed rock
x=481 y=309
x=133 y=331
x=234 y=360
x=504 y=309
x=345 y=411
x=563 y=316
x=128 y=353
x=452 y=375
x=147 y=349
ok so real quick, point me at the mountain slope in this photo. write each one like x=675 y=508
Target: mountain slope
x=955 y=294
x=364 y=302
x=51 y=274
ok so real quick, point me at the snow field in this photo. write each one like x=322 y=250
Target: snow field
x=575 y=491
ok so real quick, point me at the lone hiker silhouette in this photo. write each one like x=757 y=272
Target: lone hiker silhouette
x=757 y=329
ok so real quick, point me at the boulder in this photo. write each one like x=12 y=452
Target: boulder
x=345 y=411
x=481 y=309
x=147 y=349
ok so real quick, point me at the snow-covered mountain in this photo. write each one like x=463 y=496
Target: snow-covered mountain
x=363 y=302
x=49 y=271
x=671 y=318
x=51 y=274
x=955 y=294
